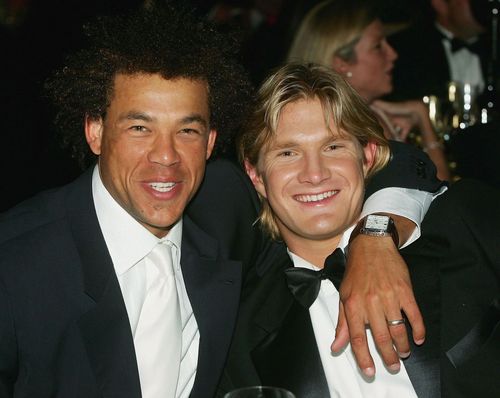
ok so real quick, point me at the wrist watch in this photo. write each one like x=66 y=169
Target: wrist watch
x=376 y=225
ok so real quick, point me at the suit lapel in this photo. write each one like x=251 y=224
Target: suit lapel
x=105 y=328
x=213 y=287
x=287 y=354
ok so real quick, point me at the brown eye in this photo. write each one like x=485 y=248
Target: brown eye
x=140 y=129
x=189 y=131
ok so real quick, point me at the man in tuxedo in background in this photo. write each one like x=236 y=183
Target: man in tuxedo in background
x=309 y=160
x=450 y=48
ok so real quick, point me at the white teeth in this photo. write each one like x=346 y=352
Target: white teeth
x=315 y=198
x=162 y=186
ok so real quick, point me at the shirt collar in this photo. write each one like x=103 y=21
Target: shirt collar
x=300 y=262
x=445 y=32
x=448 y=35
x=127 y=240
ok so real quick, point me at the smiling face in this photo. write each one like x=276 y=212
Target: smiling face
x=372 y=68
x=311 y=176
x=152 y=145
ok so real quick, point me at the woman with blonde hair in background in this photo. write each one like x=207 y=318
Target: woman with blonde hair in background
x=348 y=36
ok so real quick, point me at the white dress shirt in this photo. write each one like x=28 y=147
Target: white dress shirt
x=343 y=376
x=465 y=66
x=129 y=243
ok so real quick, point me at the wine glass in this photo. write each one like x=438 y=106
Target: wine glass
x=260 y=392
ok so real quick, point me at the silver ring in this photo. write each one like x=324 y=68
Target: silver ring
x=396 y=322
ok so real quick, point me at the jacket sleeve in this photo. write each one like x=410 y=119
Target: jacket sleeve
x=409 y=167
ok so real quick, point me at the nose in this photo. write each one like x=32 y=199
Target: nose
x=313 y=170
x=392 y=55
x=163 y=151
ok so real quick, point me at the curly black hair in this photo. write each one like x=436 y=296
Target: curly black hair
x=166 y=39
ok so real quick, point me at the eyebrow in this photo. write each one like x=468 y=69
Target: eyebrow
x=195 y=118
x=276 y=146
x=137 y=115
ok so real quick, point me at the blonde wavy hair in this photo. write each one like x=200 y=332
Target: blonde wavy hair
x=332 y=28
x=341 y=104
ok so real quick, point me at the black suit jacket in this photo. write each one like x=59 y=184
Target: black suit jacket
x=64 y=330
x=455 y=269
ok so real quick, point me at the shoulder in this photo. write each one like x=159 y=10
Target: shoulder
x=226 y=208
x=31 y=214
x=409 y=167
x=44 y=209
x=225 y=180
x=226 y=194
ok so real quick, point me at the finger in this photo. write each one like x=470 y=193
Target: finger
x=399 y=336
x=398 y=332
x=415 y=320
x=357 y=332
x=341 y=332
x=382 y=336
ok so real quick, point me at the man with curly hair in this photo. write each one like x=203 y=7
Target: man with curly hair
x=151 y=91
x=81 y=291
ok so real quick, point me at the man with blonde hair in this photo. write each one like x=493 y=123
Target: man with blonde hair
x=309 y=148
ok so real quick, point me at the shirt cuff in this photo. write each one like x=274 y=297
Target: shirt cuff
x=409 y=203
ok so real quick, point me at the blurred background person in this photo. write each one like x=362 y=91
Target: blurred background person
x=446 y=46
x=348 y=36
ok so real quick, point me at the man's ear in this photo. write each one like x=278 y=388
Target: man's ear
x=370 y=152
x=212 y=136
x=93 y=134
x=256 y=178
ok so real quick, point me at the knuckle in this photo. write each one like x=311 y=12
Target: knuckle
x=389 y=296
x=357 y=342
x=373 y=299
x=382 y=338
x=398 y=331
x=404 y=286
x=352 y=304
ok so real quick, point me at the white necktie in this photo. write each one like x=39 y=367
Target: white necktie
x=159 y=331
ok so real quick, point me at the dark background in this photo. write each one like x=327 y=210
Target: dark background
x=35 y=35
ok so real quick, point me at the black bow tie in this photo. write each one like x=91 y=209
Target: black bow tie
x=305 y=283
x=458 y=44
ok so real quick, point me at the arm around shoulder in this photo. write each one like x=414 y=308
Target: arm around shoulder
x=409 y=167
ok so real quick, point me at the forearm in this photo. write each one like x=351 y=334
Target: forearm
x=404 y=226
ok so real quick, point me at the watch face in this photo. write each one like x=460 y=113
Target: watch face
x=374 y=221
